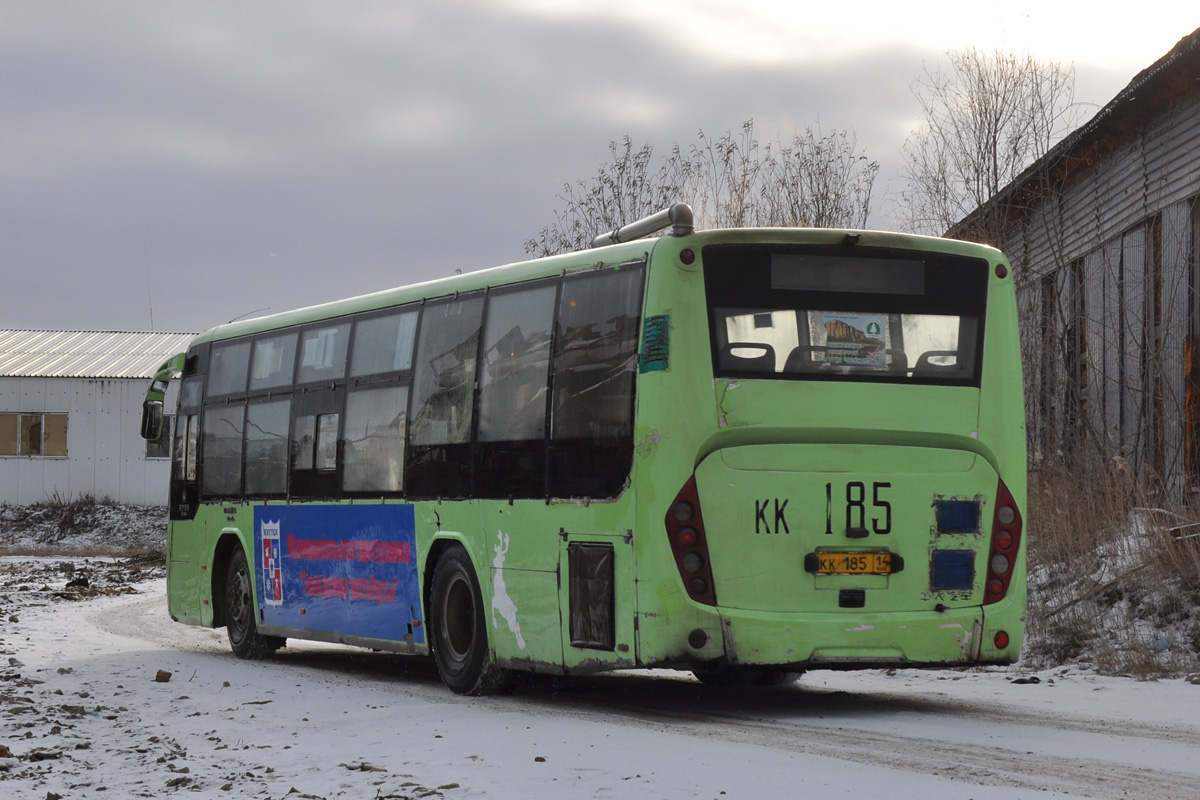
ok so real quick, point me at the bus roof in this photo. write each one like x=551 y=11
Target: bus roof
x=579 y=261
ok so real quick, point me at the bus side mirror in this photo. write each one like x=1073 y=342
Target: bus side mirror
x=152 y=419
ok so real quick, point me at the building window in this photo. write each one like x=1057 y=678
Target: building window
x=161 y=447
x=33 y=434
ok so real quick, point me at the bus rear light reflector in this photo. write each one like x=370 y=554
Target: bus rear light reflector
x=1000 y=640
x=684 y=522
x=1005 y=544
x=697 y=639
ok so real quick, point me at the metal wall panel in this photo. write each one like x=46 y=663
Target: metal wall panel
x=1176 y=246
x=106 y=456
x=1173 y=155
x=1097 y=339
x=1029 y=304
x=1136 y=422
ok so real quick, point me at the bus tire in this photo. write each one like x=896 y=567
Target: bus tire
x=458 y=627
x=244 y=638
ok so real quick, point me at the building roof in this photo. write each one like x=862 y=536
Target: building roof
x=87 y=354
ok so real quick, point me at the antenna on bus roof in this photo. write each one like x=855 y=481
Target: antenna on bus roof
x=678 y=216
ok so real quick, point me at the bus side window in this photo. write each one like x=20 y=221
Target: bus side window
x=227 y=372
x=376 y=420
x=222 y=450
x=595 y=363
x=267 y=448
x=273 y=361
x=323 y=353
x=439 y=457
x=373 y=454
x=510 y=453
x=383 y=344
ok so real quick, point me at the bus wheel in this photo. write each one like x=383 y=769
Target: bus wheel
x=244 y=638
x=459 y=630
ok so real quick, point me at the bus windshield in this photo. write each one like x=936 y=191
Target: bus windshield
x=845 y=314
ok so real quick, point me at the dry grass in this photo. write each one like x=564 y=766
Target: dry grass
x=1114 y=573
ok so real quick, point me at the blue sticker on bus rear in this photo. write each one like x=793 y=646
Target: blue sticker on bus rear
x=349 y=570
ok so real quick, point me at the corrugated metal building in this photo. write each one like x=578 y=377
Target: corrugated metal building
x=70 y=413
x=1104 y=234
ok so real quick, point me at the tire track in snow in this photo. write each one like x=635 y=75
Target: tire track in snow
x=743 y=716
x=970 y=763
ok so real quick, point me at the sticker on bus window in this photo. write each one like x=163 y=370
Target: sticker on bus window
x=851 y=340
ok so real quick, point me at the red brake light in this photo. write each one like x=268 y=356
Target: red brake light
x=685 y=531
x=1006 y=540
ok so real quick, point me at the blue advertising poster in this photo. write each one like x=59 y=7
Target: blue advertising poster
x=345 y=569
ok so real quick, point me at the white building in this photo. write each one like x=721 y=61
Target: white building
x=70 y=414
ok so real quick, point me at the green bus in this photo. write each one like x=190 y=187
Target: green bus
x=743 y=453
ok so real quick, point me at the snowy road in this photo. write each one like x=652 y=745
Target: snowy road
x=82 y=716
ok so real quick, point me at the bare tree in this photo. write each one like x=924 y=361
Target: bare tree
x=987 y=118
x=625 y=189
x=814 y=180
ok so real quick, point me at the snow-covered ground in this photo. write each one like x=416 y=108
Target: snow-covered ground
x=84 y=713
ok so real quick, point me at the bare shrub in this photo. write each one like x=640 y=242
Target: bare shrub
x=1113 y=580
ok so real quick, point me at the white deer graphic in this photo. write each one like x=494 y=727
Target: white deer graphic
x=500 y=600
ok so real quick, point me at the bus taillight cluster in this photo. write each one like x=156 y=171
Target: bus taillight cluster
x=1006 y=541
x=685 y=528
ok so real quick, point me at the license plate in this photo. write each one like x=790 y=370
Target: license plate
x=852 y=563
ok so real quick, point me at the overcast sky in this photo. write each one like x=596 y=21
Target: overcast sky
x=173 y=165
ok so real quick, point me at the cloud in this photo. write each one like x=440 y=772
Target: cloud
x=208 y=159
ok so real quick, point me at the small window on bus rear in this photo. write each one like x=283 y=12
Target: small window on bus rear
x=831 y=313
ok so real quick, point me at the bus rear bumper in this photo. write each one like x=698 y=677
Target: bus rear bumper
x=954 y=636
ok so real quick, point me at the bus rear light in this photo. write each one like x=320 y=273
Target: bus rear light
x=697 y=639
x=685 y=532
x=1005 y=542
x=1000 y=640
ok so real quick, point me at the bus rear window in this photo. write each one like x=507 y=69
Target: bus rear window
x=841 y=314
